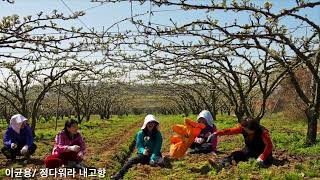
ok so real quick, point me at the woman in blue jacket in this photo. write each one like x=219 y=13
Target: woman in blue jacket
x=149 y=142
x=18 y=140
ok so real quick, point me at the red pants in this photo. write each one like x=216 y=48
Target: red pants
x=55 y=161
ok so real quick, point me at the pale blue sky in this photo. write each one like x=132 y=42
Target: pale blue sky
x=109 y=13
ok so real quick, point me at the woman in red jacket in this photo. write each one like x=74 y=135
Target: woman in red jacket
x=258 y=144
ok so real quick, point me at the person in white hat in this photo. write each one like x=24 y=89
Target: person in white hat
x=18 y=139
x=206 y=142
x=148 y=142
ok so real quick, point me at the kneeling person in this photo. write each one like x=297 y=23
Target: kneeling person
x=69 y=148
x=206 y=142
x=18 y=139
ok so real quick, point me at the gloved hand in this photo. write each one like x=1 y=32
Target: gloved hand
x=160 y=161
x=74 y=148
x=80 y=154
x=146 y=152
x=213 y=153
x=152 y=163
x=157 y=161
x=146 y=138
x=199 y=140
x=260 y=162
x=14 y=145
x=24 y=150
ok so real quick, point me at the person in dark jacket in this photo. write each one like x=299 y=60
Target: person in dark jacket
x=18 y=140
x=258 y=144
x=148 y=142
x=206 y=142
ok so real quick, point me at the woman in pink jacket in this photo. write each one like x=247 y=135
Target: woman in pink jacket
x=69 y=148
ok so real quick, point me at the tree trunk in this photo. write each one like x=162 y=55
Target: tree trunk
x=79 y=117
x=24 y=110
x=213 y=105
x=312 y=117
x=239 y=114
x=8 y=121
x=102 y=115
x=108 y=111
x=214 y=113
x=6 y=115
x=87 y=113
x=34 y=122
x=88 y=116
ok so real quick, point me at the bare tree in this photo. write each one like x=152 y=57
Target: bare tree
x=265 y=31
x=9 y=1
x=36 y=52
x=109 y=95
x=6 y=110
x=79 y=92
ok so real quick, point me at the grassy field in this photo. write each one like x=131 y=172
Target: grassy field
x=109 y=142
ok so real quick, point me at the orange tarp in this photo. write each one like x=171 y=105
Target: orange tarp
x=184 y=138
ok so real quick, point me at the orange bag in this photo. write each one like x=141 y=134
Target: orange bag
x=186 y=135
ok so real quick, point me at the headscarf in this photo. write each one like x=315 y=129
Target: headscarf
x=207 y=116
x=16 y=121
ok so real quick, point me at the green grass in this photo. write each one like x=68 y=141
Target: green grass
x=97 y=133
x=108 y=144
x=288 y=137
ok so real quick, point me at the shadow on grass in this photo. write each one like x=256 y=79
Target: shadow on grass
x=167 y=162
x=279 y=162
x=202 y=170
x=20 y=162
x=36 y=162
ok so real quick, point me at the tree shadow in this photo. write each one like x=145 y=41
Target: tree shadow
x=37 y=162
x=31 y=161
x=167 y=162
x=279 y=162
x=202 y=170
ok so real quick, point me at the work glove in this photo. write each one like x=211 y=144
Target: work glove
x=199 y=140
x=14 y=145
x=74 y=148
x=24 y=150
x=260 y=162
x=152 y=163
x=80 y=154
x=146 y=152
